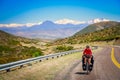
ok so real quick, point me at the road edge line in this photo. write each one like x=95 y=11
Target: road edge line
x=114 y=59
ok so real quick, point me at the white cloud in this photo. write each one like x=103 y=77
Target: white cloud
x=11 y=25
x=98 y=20
x=19 y=25
x=69 y=21
x=32 y=24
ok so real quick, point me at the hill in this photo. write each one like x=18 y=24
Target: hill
x=98 y=26
x=11 y=48
x=107 y=34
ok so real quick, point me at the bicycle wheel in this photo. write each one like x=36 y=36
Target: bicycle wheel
x=87 y=67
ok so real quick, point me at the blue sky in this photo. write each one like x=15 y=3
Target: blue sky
x=31 y=11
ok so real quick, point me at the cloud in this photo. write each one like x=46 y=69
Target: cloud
x=32 y=24
x=62 y=21
x=97 y=20
x=19 y=25
x=69 y=21
x=11 y=25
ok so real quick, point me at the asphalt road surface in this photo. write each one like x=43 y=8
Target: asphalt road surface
x=104 y=67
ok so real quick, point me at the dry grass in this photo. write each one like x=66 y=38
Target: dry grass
x=45 y=70
x=48 y=50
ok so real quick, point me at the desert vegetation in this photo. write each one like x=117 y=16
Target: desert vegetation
x=11 y=48
x=62 y=48
x=108 y=34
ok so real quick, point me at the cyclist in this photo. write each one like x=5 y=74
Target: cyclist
x=87 y=54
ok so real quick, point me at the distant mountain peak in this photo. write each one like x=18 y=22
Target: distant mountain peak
x=47 y=22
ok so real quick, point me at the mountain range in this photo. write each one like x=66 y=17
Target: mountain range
x=46 y=30
x=50 y=30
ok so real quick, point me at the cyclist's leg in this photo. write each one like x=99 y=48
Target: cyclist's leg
x=89 y=60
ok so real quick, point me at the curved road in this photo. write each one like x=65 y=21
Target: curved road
x=104 y=67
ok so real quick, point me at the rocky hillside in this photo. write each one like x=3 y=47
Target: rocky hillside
x=11 y=48
x=98 y=26
x=107 y=34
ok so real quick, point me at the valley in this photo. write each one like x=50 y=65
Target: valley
x=14 y=48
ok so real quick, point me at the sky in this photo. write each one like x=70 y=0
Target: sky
x=34 y=11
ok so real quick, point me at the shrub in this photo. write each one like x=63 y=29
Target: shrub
x=5 y=48
x=63 y=48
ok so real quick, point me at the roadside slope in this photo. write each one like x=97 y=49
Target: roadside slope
x=12 y=50
x=45 y=70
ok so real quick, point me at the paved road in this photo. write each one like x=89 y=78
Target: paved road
x=104 y=68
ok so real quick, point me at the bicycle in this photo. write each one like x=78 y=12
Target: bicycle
x=87 y=67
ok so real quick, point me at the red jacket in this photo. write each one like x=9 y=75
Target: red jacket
x=87 y=51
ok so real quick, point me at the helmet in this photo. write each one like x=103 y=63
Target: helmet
x=87 y=46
